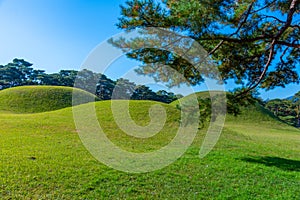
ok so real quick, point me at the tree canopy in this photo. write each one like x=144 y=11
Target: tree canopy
x=20 y=72
x=254 y=42
x=287 y=110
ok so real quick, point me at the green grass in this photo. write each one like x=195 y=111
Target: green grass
x=33 y=99
x=201 y=95
x=42 y=157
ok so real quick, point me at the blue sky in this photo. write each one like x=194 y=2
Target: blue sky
x=60 y=34
x=54 y=34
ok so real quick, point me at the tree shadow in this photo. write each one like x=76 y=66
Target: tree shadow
x=281 y=163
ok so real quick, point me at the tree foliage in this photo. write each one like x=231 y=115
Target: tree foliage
x=20 y=72
x=62 y=78
x=296 y=107
x=286 y=109
x=254 y=42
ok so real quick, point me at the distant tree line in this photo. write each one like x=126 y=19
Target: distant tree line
x=20 y=72
x=287 y=110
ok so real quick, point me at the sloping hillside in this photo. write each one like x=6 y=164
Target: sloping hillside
x=42 y=157
x=34 y=99
x=251 y=113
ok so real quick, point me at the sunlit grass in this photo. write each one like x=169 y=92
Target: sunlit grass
x=42 y=157
x=34 y=99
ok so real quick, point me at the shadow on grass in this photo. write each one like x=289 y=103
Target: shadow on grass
x=281 y=163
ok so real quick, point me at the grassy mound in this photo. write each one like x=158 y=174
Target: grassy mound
x=252 y=113
x=43 y=158
x=34 y=99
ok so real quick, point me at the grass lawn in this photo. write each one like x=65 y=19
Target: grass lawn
x=42 y=157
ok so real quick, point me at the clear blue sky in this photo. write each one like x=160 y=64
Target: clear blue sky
x=59 y=34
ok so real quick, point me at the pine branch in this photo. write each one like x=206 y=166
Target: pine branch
x=264 y=72
x=288 y=44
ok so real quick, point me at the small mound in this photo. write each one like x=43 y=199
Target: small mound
x=35 y=99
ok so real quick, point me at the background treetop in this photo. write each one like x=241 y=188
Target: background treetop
x=20 y=72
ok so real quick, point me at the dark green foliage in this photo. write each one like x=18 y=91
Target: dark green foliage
x=236 y=101
x=287 y=110
x=296 y=107
x=244 y=38
x=124 y=89
x=20 y=73
x=166 y=97
x=62 y=78
x=143 y=92
x=215 y=103
x=107 y=89
x=204 y=110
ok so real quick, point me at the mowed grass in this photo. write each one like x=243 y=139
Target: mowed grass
x=42 y=157
x=34 y=99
